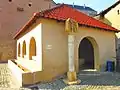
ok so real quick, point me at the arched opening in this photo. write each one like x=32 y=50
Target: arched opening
x=19 y=50
x=32 y=48
x=88 y=54
x=24 y=49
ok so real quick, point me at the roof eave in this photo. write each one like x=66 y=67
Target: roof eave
x=110 y=30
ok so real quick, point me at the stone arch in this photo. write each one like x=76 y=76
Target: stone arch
x=24 y=49
x=32 y=48
x=19 y=49
x=95 y=50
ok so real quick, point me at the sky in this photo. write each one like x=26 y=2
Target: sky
x=97 y=5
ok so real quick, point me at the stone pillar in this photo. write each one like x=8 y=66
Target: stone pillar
x=71 y=28
x=71 y=73
x=71 y=52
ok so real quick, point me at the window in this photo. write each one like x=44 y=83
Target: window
x=24 y=49
x=32 y=48
x=10 y=0
x=30 y=4
x=118 y=11
x=19 y=49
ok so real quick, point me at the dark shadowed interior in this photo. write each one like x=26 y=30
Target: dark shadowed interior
x=86 y=55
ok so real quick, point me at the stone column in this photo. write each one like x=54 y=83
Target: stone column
x=71 y=52
x=71 y=28
x=71 y=73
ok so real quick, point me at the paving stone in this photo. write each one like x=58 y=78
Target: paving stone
x=89 y=81
x=6 y=80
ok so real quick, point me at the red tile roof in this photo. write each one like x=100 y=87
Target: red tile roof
x=63 y=12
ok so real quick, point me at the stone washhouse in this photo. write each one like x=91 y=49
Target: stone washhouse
x=42 y=45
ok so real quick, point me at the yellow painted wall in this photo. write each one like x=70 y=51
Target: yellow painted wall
x=55 y=58
x=55 y=50
x=114 y=17
x=105 y=41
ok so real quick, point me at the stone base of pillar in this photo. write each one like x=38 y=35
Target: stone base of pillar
x=72 y=78
x=76 y=82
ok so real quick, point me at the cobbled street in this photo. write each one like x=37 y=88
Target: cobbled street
x=7 y=82
x=89 y=81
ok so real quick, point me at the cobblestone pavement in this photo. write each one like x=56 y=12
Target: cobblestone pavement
x=7 y=82
x=97 y=81
x=89 y=81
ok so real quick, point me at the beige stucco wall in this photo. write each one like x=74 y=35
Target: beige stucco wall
x=55 y=47
x=55 y=50
x=114 y=17
x=106 y=44
x=11 y=20
x=55 y=58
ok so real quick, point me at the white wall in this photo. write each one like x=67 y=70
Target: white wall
x=16 y=71
x=36 y=33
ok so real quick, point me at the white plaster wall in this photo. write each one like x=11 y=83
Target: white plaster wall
x=16 y=71
x=36 y=33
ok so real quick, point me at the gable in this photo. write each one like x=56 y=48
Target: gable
x=109 y=8
x=113 y=16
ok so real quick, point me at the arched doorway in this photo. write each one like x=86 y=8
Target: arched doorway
x=24 y=49
x=19 y=50
x=32 y=48
x=88 y=54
